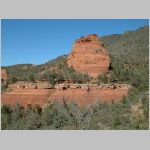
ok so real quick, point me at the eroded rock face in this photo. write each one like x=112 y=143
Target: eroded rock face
x=89 y=56
x=82 y=94
x=78 y=95
x=4 y=74
x=26 y=97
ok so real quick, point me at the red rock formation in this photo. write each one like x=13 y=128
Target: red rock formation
x=89 y=56
x=26 y=97
x=80 y=95
x=4 y=74
x=87 y=97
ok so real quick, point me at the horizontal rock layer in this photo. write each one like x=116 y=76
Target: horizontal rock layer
x=84 y=95
x=46 y=85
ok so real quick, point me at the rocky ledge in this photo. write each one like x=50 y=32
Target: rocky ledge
x=46 y=85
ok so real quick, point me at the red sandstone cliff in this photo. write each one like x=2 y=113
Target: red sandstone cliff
x=78 y=95
x=89 y=56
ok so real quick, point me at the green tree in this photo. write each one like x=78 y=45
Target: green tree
x=5 y=117
x=17 y=117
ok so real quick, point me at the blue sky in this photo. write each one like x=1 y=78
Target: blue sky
x=38 y=41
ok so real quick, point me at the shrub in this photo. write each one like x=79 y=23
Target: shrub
x=102 y=78
x=79 y=78
x=31 y=78
x=12 y=80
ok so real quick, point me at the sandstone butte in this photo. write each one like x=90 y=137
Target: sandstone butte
x=4 y=74
x=89 y=56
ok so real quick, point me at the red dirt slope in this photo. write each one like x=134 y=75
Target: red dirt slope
x=26 y=96
x=80 y=96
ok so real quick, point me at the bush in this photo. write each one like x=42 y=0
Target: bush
x=12 y=80
x=4 y=88
x=102 y=78
x=112 y=77
x=31 y=78
x=79 y=78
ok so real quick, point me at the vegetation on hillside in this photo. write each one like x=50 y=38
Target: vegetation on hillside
x=26 y=72
x=129 y=54
x=55 y=71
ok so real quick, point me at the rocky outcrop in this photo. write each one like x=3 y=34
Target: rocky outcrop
x=28 y=85
x=46 y=85
x=89 y=56
x=90 y=86
x=4 y=74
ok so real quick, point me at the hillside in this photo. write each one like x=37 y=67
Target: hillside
x=132 y=46
x=129 y=65
x=23 y=71
x=128 y=52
